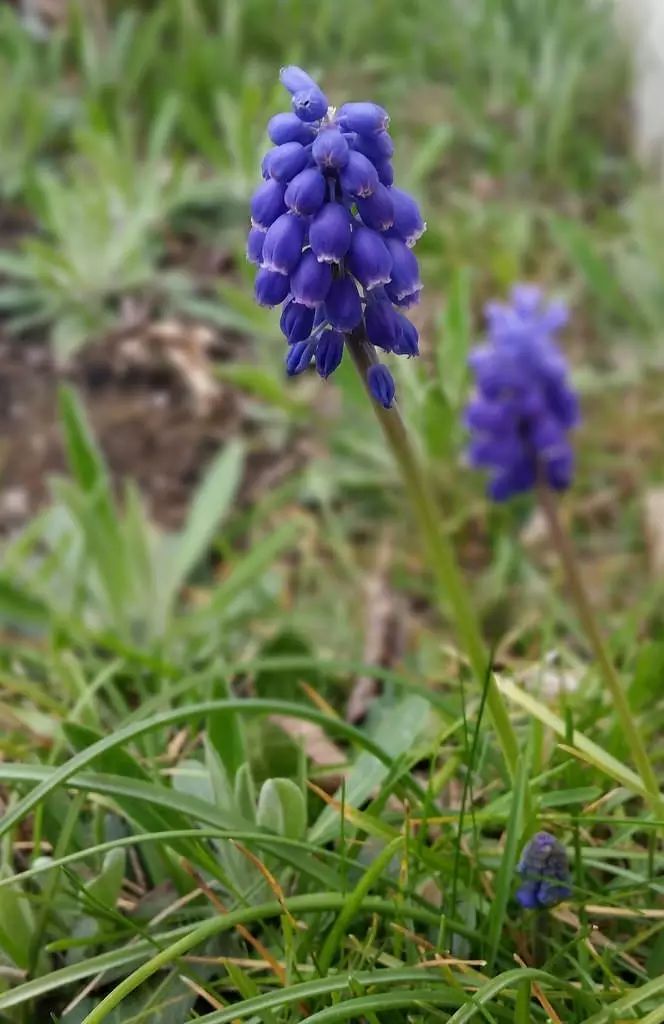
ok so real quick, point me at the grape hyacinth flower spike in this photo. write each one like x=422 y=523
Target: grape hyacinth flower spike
x=524 y=407
x=520 y=419
x=544 y=873
x=332 y=236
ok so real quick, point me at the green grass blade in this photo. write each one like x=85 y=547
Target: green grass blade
x=217 y=925
x=403 y=999
x=135 y=792
x=331 y=985
x=353 y=902
x=505 y=877
x=630 y=1001
x=211 y=504
x=253 y=706
x=606 y=763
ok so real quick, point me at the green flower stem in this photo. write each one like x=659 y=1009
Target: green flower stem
x=566 y=553
x=452 y=589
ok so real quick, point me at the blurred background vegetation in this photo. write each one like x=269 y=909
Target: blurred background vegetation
x=180 y=522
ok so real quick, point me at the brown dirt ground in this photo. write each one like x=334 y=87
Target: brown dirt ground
x=157 y=410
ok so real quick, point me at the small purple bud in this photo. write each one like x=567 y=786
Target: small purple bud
x=295 y=79
x=306 y=192
x=545 y=872
x=377 y=210
x=267 y=203
x=255 y=240
x=343 y=307
x=283 y=243
x=363 y=118
x=311 y=280
x=368 y=257
x=405 y=276
x=286 y=161
x=385 y=172
x=329 y=352
x=299 y=356
x=270 y=288
x=296 y=321
x=330 y=233
x=381 y=321
x=310 y=104
x=330 y=149
x=408 y=223
x=407 y=342
x=377 y=147
x=359 y=177
x=381 y=384
x=284 y=128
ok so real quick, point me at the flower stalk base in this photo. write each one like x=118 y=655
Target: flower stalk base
x=451 y=587
x=563 y=545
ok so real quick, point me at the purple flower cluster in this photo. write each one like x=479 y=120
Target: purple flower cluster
x=545 y=873
x=333 y=236
x=523 y=408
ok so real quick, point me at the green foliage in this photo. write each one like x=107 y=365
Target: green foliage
x=99 y=242
x=508 y=90
x=37 y=106
x=102 y=566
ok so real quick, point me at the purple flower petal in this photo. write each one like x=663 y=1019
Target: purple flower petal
x=296 y=321
x=330 y=150
x=310 y=104
x=289 y=128
x=286 y=161
x=329 y=352
x=368 y=258
x=359 y=177
x=377 y=210
x=306 y=192
x=330 y=233
x=381 y=384
x=343 y=308
x=311 y=281
x=267 y=203
x=298 y=357
x=363 y=118
x=255 y=240
x=295 y=79
x=271 y=288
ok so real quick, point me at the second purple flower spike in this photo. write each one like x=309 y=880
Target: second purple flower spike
x=524 y=407
x=332 y=237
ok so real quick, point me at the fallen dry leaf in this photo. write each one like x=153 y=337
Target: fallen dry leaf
x=181 y=347
x=318 y=747
x=653 y=516
x=535 y=532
